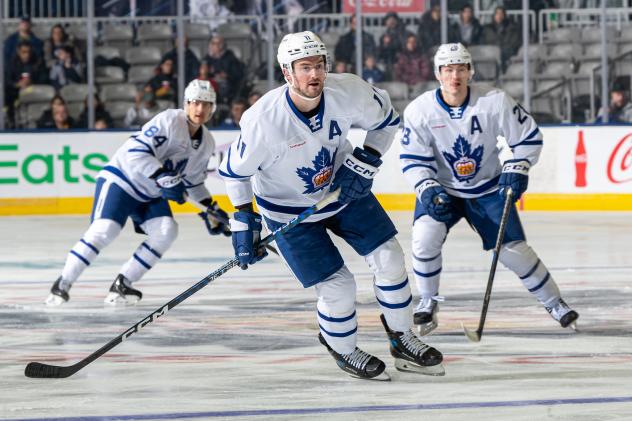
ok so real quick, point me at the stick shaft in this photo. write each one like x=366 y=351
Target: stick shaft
x=492 y=270
x=40 y=370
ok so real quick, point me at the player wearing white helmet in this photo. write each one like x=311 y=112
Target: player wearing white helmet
x=291 y=152
x=166 y=160
x=449 y=155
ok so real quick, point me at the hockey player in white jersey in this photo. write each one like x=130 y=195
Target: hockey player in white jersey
x=449 y=155
x=166 y=160
x=291 y=152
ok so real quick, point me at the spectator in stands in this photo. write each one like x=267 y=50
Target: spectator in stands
x=23 y=34
x=46 y=121
x=237 y=108
x=66 y=69
x=620 y=110
x=165 y=83
x=392 y=41
x=429 y=30
x=24 y=70
x=101 y=124
x=191 y=62
x=58 y=39
x=341 y=67
x=346 y=46
x=143 y=110
x=204 y=73
x=504 y=33
x=470 y=29
x=61 y=119
x=100 y=113
x=225 y=68
x=412 y=64
x=371 y=73
x=253 y=97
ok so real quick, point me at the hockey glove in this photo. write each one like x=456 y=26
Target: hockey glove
x=435 y=200
x=246 y=228
x=515 y=175
x=171 y=186
x=216 y=220
x=355 y=176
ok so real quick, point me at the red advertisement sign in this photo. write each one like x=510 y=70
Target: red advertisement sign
x=383 y=6
x=620 y=162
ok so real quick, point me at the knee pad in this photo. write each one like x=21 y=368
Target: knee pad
x=428 y=237
x=161 y=232
x=101 y=233
x=387 y=263
x=518 y=257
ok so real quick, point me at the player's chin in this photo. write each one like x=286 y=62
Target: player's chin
x=313 y=90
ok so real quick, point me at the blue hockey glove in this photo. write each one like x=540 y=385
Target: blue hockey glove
x=171 y=186
x=355 y=176
x=246 y=228
x=435 y=200
x=515 y=175
x=216 y=220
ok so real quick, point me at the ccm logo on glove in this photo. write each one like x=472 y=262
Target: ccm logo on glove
x=364 y=171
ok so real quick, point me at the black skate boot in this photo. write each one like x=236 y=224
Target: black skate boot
x=411 y=354
x=58 y=294
x=121 y=292
x=358 y=364
x=425 y=315
x=561 y=312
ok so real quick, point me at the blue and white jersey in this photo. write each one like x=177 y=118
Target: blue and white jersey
x=288 y=161
x=457 y=146
x=163 y=142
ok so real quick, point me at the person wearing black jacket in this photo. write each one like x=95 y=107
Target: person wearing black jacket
x=225 y=68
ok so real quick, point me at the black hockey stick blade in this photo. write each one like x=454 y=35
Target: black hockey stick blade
x=37 y=370
x=46 y=371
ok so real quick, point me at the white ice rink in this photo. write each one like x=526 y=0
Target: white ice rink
x=246 y=348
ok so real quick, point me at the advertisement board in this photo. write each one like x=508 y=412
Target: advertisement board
x=581 y=167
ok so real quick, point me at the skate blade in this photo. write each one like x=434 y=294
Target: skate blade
x=54 y=300
x=408 y=367
x=115 y=299
x=573 y=326
x=382 y=377
x=426 y=328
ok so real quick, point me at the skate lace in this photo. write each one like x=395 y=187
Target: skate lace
x=412 y=343
x=357 y=358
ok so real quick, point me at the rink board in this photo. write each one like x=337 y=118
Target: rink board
x=54 y=173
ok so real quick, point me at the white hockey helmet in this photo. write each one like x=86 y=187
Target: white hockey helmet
x=200 y=90
x=453 y=53
x=301 y=45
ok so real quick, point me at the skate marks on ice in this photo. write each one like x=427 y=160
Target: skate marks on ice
x=245 y=347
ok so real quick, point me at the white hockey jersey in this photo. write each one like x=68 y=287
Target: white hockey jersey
x=457 y=146
x=288 y=161
x=164 y=141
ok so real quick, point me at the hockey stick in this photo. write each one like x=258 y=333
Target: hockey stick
x=475 y=336
x=41 y=370
x=221 y=218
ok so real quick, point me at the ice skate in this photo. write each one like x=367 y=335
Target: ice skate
x=561 y=312
x=412 y=355
x=358 y=364
x=58 y=294
x=425 y=315
x=121 y=292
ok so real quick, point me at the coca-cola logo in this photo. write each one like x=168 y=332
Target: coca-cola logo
x=620 y=162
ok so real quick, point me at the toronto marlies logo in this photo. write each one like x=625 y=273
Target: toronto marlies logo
x=318 y=178
x=464 y=163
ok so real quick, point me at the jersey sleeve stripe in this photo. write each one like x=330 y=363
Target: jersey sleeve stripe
x=122 y=176
x=417 y=157
x=224 y=174
x=411 y=166
x=385 y=122
x=231 y=173
x=395 y=122
x=529 y=143
x=150 y=152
